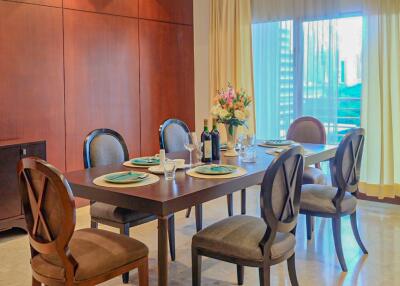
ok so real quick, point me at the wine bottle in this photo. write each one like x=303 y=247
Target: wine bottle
x=207 y=147
x=215 y=142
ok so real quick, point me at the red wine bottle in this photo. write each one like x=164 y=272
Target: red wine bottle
x=215 y=142
x=207 y=145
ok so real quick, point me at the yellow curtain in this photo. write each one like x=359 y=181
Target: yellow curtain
x=231 y=49
x=380 y=175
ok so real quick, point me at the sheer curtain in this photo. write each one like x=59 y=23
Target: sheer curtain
x=380 y=175
x=320 y=74
x=273 y=78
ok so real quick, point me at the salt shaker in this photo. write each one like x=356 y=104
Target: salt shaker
x=162 y=158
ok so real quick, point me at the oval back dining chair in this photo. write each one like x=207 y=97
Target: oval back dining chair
x=308 y=129
x=259 y=242
x=104 y=147
x=341 y=199
x=174 y=134
x=61 y=255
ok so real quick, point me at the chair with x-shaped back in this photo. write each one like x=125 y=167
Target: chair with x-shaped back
x=259 y=242
x=61 y=255
x=340 y=199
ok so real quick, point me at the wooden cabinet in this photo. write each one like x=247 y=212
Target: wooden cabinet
x=10 y=203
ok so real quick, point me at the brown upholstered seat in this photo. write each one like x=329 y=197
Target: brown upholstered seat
x=240 y=236
x=96 y=251
x=115 y=214
x=319 y=198
x=313 y=175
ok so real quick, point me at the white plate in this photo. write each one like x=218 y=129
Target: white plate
x=160 y=171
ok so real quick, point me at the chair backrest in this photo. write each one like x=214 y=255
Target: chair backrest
x=345 y=167
x=174 y=133
x=307 y=129
x=280 y=191
x=49 y=209
x=103 y=147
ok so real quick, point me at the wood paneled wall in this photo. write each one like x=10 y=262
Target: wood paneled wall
x=68 y=67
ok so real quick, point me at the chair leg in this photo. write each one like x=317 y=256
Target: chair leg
x=143 y=270
x=291 y=263
x=94 y=224
x=264 y=274
x=336 y=226
x=35 y=282
x=229 y=200
x=243 y=197
x=309 y=226
x=188 y=211
x=199 y=217
x=124 y=230
x=353 y=219
x=196 y=268
x=240 y=274
x=171 y=236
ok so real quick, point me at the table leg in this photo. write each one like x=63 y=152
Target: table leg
x=163 y=251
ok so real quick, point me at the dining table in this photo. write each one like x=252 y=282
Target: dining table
x=167 y=197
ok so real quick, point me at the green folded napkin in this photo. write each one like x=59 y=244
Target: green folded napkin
x=125 y=177
x=215 y=169
x=146 y=161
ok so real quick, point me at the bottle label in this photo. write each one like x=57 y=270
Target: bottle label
x=207 y=149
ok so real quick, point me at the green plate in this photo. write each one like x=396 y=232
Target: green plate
x=215 y=169
x=146 y=161
x=278 y=143
x=125 y=177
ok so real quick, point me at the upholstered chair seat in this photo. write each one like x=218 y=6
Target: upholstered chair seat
x=115 y=214
x=319 y=198
x=240 y=236
x=314 y=175
x=96 y=252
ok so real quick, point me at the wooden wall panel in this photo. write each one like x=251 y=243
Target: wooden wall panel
x=117 y=7
x=166 y=78
x=101 y=79
x=31 y=76
x=53 y=3
x=175 y=11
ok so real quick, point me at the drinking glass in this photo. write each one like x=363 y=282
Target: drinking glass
x=169 y=169
x=191 y=145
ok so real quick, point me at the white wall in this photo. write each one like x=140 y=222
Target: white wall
x=201 y=63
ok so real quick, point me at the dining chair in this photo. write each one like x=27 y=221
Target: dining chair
x=104 y=147
x=59 y=254
x=174 y=134
x=340 y=199
x=308 y=129
x=259 y=242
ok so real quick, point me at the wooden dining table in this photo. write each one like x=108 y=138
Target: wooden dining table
x=165 y=198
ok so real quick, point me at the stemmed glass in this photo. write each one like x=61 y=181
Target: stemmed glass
x=191 y=145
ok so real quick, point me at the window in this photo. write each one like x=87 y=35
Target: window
x=307 y=68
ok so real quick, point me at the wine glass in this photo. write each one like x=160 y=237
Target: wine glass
x=191 y=145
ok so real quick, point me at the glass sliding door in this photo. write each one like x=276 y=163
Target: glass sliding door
x=323 y=70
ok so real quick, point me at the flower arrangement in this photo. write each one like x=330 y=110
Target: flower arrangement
x=231 y=107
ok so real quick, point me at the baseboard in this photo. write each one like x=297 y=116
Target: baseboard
x=395 y=200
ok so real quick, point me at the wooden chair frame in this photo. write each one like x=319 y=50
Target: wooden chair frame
x=32 y=205
x=123 y=228
x=344 y=183
x=274 y=224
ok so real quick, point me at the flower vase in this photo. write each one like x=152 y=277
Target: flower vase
x=231 y=135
